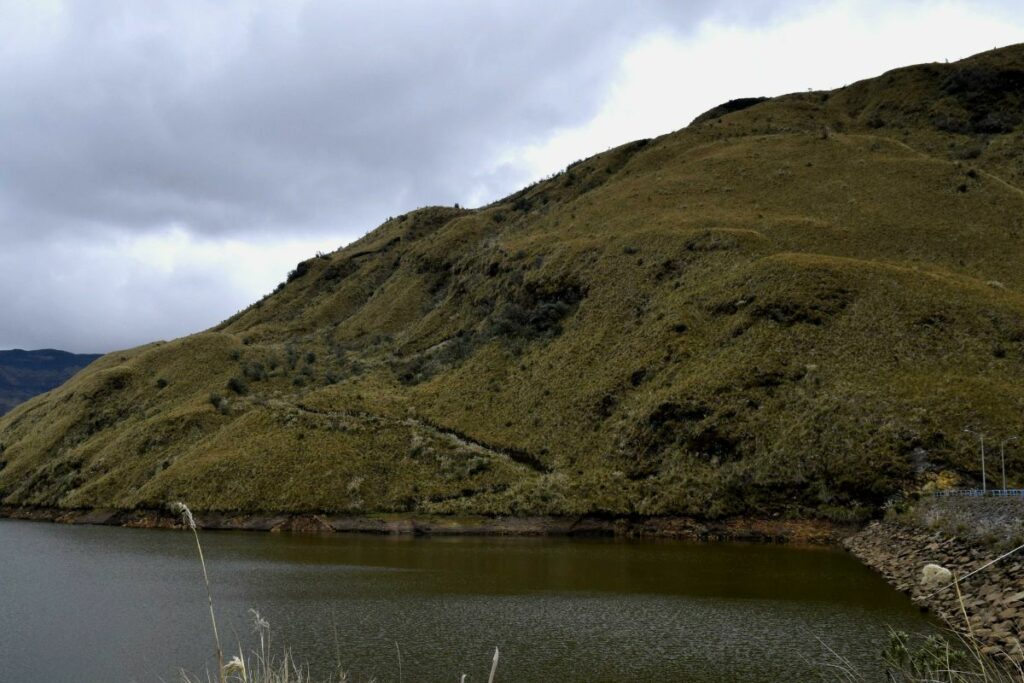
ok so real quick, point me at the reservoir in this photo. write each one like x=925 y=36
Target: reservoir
x=104 y=604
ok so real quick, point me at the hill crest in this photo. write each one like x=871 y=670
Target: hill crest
x=794 y=307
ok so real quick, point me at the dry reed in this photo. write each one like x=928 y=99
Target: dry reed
x=262 y=665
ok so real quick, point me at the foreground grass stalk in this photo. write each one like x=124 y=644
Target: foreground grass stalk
x=190 y=521
x=494 y=667
x=956 y=658
x=263 y=667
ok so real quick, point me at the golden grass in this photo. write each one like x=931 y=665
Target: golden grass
x=747 y=315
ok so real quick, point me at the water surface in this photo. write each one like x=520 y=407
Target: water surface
x=108 y=604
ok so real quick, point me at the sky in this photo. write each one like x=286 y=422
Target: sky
x=165 y=164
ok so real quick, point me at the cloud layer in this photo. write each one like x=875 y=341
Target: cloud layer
x=241 y=118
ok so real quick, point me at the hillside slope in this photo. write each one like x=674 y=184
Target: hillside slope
x=24 y=374
x=794 y=307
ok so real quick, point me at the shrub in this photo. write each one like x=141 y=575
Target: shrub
x=514 y=320
x=970 y=151
x=300 y=270
x=423 y=366
x=255 y=372
x=220 y=403
x=522 y=204
x=238 y=385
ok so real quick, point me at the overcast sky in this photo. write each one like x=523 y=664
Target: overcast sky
x=164 y=164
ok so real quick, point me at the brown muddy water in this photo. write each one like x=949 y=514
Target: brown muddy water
x=107 y=604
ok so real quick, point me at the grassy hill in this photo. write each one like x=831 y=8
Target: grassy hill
x=791 y=306
x=24 y=374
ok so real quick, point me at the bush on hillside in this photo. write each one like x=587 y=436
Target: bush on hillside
x=238 y=385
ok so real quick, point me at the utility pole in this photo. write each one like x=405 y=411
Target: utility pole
x=981 y=436
x=1002 y=457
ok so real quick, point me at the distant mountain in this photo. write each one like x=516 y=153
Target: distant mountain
x=793 y=306
x=24 y=374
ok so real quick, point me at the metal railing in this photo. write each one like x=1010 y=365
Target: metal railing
x=979 y=493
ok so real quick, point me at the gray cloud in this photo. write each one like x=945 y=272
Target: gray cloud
x=55 y=299
x=239 y=117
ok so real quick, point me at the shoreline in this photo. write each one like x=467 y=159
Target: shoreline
x=989 y=605
x=807 y=531
x=994 y=602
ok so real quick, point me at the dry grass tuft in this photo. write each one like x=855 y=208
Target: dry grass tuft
x=265 y=664
x=958 y=657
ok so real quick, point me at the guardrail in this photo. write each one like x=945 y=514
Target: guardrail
x=978 y=493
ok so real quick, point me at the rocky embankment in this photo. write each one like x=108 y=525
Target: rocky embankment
x=990 y=604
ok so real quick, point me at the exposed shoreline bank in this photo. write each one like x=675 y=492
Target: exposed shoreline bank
x=991 y=609
x=681 y=528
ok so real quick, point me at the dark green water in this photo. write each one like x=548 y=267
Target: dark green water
x=104 y=604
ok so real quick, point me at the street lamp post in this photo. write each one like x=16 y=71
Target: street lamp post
x=1002 y=458
x=981 y=436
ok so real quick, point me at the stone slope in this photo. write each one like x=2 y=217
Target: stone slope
x=990 y=604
